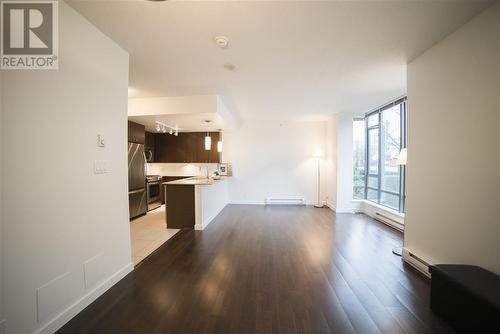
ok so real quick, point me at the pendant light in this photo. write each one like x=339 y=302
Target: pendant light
x=219 y=143
x=208 y=142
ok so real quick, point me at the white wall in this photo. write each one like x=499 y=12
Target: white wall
x=210 y=200
x=274 y=159
x=453 y=179
x=59 y=217
x=331 y=162
x=345 y=203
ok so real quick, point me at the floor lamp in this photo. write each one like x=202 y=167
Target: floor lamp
x=318 y=155
x=401 y=161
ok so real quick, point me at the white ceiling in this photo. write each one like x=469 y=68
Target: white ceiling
x=294 y=60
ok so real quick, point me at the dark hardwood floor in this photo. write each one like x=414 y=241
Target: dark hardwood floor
x=259 y=269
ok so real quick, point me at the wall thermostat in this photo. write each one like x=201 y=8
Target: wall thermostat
x=100 y=141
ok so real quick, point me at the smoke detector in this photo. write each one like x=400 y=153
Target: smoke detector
x=221 y=41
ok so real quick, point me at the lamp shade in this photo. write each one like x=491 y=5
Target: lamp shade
x=208 y=142
x=318 y=153
x=402 y=157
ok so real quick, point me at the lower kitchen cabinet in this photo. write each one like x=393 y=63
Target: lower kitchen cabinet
x=168 y=179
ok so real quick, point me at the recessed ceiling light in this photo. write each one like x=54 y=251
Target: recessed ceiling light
x=229 y=67
x=221 y=41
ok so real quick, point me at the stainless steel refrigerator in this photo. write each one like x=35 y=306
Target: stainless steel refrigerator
x=137 y=195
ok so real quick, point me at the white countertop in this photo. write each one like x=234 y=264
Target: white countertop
x=197 y=180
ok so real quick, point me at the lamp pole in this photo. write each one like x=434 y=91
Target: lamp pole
x=319 y=204
x=401 y=161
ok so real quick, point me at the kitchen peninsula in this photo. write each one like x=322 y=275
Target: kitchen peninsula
x=194 y=202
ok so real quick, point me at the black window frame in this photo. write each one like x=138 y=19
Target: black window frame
x=403 y=105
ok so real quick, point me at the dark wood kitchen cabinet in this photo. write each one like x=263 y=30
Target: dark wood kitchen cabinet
x=136 y=133
x=149 y=147
x=168 y=179
x=174 y=149
x=150 y=140
x=187 y=147
x=204 y=156
x=168 y=148
x=214 y=156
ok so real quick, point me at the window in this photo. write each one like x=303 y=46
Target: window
x=378 y=139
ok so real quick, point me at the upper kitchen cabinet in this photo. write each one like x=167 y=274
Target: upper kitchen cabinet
x=213 y=155
x=136 y=133
x=187 y=147
x=150 y=140
x=175 y=149
x=169 y=148
x=149 y=147
x=203 y=155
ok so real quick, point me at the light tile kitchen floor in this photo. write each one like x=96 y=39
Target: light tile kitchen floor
x=149 y=232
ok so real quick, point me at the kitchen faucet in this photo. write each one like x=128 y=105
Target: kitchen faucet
x=206 y=166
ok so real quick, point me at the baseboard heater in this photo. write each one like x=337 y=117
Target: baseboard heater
x=285 y=201
x=389 y=221
x=416 y=262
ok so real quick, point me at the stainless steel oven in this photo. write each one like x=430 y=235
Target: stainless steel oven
x=153 y=190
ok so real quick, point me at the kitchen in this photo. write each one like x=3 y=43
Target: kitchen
x=176 y=179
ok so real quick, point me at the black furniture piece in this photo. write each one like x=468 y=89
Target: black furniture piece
x=467 y=297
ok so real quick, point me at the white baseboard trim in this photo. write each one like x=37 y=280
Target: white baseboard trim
x=374 y=206
x=416 y=261
x=383 y=215
x=247 y=203
x=331 y=206
x=2 y=326
x=383 y=219
x=346 y=210
x=314 y=203
x=62 y=318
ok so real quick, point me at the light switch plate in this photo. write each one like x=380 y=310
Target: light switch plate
x=100 y=166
